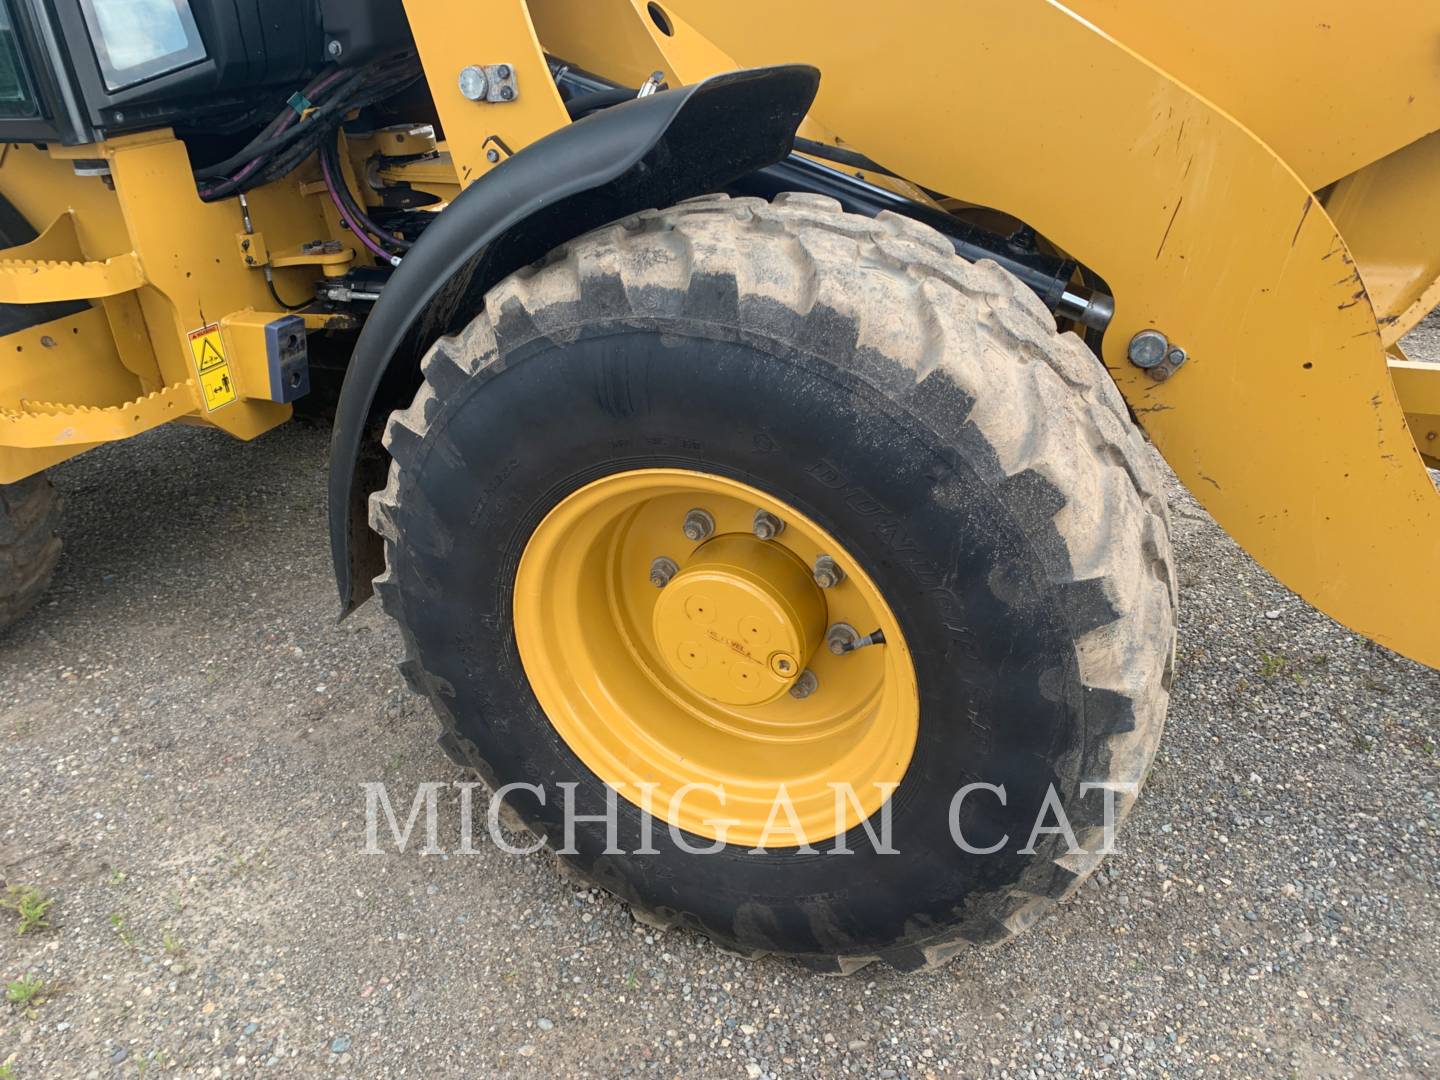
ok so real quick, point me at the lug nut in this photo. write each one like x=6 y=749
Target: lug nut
x=699 y=525
x=805 y=684
x=841 y=638
x=767 y=526
x=827 y=572
x=662 y=570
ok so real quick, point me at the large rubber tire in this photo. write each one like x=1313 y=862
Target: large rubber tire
x=29 y=546
x=924 y=410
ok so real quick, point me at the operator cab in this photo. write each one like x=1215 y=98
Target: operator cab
x=78 y=71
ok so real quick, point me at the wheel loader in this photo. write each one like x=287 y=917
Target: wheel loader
x=741 y=404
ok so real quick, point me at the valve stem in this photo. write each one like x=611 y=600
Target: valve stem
x=875 y=637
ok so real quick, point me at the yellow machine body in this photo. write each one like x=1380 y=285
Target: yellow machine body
x=1262 y=184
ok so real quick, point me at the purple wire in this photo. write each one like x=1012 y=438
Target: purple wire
x=355 y=226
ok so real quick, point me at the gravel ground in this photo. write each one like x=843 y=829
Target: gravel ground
x=1423 y=343
x=185 y=732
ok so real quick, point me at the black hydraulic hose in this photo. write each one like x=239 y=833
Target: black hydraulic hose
x=274 y=295
x=841 y=156
x=265 y=146
x=584 y=104
x=343 y=92
x=306 y=138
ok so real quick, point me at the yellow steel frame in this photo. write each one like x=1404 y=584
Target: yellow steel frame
x=1258 y=182
x=158 y=264
x=1329 y=85
x=1419 y=389
x=1389 y=214
x=481 y=135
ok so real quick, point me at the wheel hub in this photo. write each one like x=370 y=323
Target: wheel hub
x=738 y=624
x=673 y=628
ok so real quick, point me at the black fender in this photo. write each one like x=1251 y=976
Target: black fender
x=650 y=152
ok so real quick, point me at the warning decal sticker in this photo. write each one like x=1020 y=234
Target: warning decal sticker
x=209 y=352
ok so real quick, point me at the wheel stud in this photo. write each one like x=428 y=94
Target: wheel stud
x=841 y=638
x=699 y=525
x=805 y=684
x=767 y=526
x=662 y=570
x=827 y=572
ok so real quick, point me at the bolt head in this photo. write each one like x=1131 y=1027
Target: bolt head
x=827 y=572
x=334 y=49
x=473 y=83
x=805 y=684
x=507 y=93
x=766 y=525
x=1148 y=349
x=784 y=665
x=698 y=526
x=662 y=569
x=492 y=155
x=503 y=71
x=840 y=637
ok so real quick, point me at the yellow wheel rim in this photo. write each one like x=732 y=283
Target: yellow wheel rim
x=689 y=697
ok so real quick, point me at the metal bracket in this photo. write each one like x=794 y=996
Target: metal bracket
x=253 y=251
x=1173 y=359
x=331 y=256
x=494 y=83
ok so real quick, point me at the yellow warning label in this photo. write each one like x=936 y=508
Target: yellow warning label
x=219 y=390
x=209 y=351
